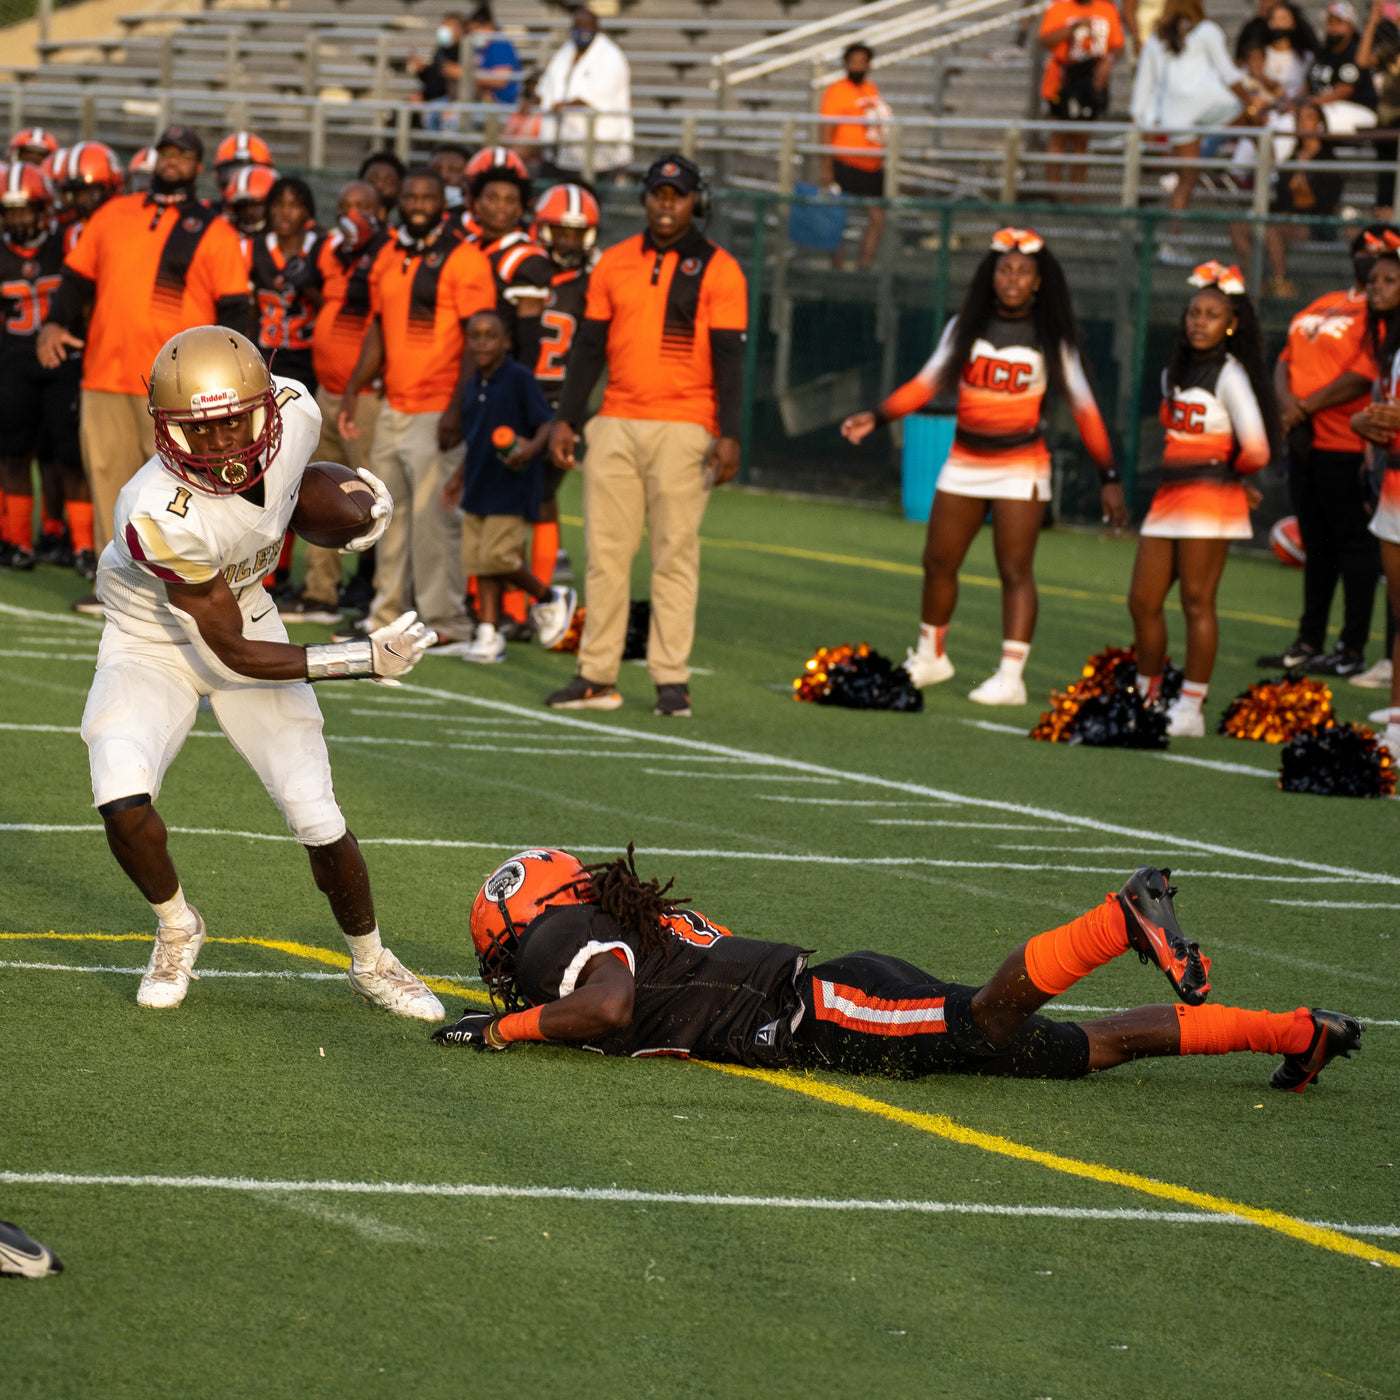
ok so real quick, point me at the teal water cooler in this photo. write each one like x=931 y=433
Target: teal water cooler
x=928 y=438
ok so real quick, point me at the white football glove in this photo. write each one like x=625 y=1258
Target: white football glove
x=398 y=646
x=381 y=512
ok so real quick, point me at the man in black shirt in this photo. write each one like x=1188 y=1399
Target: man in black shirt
x=596 y=957
x=439 y=77
x=1335 y=75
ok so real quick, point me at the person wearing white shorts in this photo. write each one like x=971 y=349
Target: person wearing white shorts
x=197 y=529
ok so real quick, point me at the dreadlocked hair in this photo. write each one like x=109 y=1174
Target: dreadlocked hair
x=1247 y=346
x=1383 y=327
x=616 y=888
x=1052 y=315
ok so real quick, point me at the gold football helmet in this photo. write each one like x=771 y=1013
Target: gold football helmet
x=203 y=375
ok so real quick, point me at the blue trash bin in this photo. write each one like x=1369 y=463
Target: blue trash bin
x=821 y=225
x=928 y=438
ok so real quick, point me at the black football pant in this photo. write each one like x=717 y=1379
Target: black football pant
x=869 y=1013
x=1329 y=498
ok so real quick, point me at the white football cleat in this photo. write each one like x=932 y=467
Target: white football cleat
x=488 y=645
x=391 y=985
x=927 y=669
x=1185 y=721
x=1000 y=689
x=21 y=1256
x=553 y=616
x=171 y=966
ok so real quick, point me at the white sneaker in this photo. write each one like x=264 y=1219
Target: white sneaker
x=391 y=985
x=553 y=616
x=1381 y=717
x=171 y=966
x=1185 y=721
x=488 y=645
x=1000 y=689
x=1376 y=678
x=927 y=669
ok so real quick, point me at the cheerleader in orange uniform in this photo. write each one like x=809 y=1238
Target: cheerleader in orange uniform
x=1221 y=418
x=1014 y=336
x=1379 y=423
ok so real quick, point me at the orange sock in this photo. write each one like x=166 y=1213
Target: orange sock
x=80 y=523
x=19 y=521
x=1058 y=959
x=1217 y=1030
x=513 y=604
x=544 y=551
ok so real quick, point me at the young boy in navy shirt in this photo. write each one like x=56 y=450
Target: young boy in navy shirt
x=500 y=484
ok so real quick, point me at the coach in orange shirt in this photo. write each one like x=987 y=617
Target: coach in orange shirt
x=1084 y=38
x=666 y=311
x=424 y=286
x=149 y=266
x=856 y=127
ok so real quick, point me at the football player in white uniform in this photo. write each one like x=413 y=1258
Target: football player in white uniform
x=196 y=531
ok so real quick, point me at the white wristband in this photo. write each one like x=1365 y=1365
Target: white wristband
x=340 y=661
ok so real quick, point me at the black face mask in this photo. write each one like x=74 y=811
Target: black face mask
x=1276 y=34
x=856 y=78
x=171 y=190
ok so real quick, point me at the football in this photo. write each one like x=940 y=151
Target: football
x=1287 y=541
x=333 y=506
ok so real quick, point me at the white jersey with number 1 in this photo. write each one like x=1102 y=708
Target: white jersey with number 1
x=167 y=532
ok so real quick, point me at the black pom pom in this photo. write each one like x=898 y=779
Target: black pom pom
x=1337 y=760
x=857 y=678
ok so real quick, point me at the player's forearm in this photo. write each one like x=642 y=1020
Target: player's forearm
x=588 y=1012
x=586 y=363
x=260 y=661
x=1343 y=389
x=71 y=301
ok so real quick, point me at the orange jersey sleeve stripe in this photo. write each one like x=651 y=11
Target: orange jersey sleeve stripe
x=857 y=1010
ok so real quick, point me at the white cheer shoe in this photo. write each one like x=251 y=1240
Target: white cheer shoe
x=927 y=669
x=487 y=646
x=1376 y=677
x=1185 y=721
x=553 y=616
x=391 y=985
x=168 y=973
x=1000 y=689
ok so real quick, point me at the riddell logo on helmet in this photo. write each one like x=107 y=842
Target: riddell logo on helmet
x=213 y=398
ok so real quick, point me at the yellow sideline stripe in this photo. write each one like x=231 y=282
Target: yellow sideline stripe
x=888 y=566
x=297 y=950
x=1113 y=1176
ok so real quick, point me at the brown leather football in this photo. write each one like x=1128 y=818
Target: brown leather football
x=333 y=505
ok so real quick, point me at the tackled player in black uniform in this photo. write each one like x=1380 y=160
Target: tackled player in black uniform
x=593 y=956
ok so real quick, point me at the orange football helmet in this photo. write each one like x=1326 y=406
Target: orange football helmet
x=27 y=187
x=497 y=163
x=567 y=206
x=89 y=163
x=512 y=897
x=249 y=187
x=33 y=145
x=139 y=170
x=237 y=150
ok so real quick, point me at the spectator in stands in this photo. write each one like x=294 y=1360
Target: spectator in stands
x=856 y=129
x=147 y=266
x=666 y=313
x=450 y=161
x=521 y=130
x=1336 y=80
x=440 y=76
x=1379 y=54
x=1185 y=79
x=1084 y=38
x=1316 y=190
x=385 y=171
x=1260 y=31
x=496 y=67
x=424 y=287
x=588 y=72
x=1287 y=54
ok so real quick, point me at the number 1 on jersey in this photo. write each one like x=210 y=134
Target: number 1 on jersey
x=181 y=504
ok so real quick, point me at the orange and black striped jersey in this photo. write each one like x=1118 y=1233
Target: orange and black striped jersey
x=1000 y=396
x=559 y=323
x=521 y=267
x=1326 y=339
x=285 y=319
x=344 y=315
x=157 y=269
x=706 y=993
x=1215 y=430
x=423 y=294
x=29 y=276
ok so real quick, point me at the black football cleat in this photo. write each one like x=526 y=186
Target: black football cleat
x=1156 y=937
x=1333 y=1035
x=22 y=1257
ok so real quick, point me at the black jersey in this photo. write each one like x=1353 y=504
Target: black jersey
x=522 y=270
x=563 y=315
x=705 y=994
x=29 y=276
x=286 y=319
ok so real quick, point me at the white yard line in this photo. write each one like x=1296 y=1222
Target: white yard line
x=852 y=802
x=88 y=656
x=71 y=619
x=613 y=1195
x=1219 y=765
x=288 y=974
x=731 y=777
x=972 y=826
x=1328 y=904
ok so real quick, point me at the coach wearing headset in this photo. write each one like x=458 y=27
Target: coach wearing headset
x=666 y=312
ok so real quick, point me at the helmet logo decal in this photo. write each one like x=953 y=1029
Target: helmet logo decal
x=505 y=882
x=213 y=398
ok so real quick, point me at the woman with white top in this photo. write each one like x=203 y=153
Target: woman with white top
x=1186 y=79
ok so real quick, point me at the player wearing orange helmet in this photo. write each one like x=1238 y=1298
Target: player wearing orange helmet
x=245 y=198
x=614 y=965
x=32 y=146
x=88 y=175
x=38 y=407
x=237 y=151
x=139 y=171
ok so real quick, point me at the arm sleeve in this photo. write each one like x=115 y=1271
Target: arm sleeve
x=1144 y=98
x=586 y=362
x=1217 y=54
x=71 y=301
x=925 y=385
x=727 y=358
x=529 y=331
x=1086 y=412
x=1247 y=422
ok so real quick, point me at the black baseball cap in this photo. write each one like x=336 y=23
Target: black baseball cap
x=183 y=138
x=674 y=170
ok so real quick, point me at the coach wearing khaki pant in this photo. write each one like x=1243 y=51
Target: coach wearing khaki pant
x=666 y=312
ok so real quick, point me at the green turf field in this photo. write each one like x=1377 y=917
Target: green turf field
x=567 y=1225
